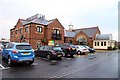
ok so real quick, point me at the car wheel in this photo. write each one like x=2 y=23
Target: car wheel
x=78 y=52
x=63 y=54
x=48 y=57
x=31 y=62
x=71 y=55
x=2 y=58
x=9 y=61
x=83 y=53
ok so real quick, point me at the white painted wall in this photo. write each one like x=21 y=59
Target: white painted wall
x=108 y=43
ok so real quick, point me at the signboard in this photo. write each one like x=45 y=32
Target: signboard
x=51 y=42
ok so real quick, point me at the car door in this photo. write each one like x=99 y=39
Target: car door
x=46 y=51
x=41 y=51
x=7 y=51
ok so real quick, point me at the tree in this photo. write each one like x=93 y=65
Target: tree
x=44 y=40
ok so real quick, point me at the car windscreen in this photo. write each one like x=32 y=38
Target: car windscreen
x=73 y=46
x=23 y=47
x=86 y=47
x=57 y=49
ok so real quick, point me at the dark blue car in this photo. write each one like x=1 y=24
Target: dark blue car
x=68 y=49
x=18 y=52
x=92 y=50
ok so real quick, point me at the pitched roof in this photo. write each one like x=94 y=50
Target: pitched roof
x=90 y=32
x=24 y=21
x=104 y=37
x=36 y=19
x=69 y=33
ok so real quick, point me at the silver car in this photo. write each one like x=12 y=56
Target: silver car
x=81 y=49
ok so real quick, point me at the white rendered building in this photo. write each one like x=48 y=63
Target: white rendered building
x=103 y=41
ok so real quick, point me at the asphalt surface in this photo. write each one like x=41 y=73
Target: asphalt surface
x=98 y=65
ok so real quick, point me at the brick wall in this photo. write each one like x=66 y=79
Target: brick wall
x=33 y=36
x=49 y=29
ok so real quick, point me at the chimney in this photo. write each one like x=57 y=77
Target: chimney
x=70 y=27
x=43 y=16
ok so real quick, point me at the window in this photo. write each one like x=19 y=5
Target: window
x=46 y=48
x=39 y=29
x=23 y=47
x=97 y=43
x=15 y=31
x=26 y=29
x=20 y=30
x=104 y=43
x=42 y=47
x=101 y=43
x=10 y=45
x=56 y=31
x=57 y=48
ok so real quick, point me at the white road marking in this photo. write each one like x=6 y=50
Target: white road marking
x=34 y=64
x=68 y=58
x=2 y=67
x=77 y=69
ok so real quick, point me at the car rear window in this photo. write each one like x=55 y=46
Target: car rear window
x=82 y=46
x=86 y=46
x=57 y=48
x=72 y=45
x=24 y=47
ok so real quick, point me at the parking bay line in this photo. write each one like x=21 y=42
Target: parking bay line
x=2 y=67
x=77 y=70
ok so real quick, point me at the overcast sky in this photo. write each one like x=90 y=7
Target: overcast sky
x=81 y=13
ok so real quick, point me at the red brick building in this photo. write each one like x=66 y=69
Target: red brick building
x=37 y=29
x=82 y=36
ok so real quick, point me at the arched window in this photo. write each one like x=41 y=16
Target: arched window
x=81 y=40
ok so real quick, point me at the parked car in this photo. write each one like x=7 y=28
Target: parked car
x=18 y=52
x=92 y=50
x=68 y=49
x=81 y=49
x=49 y=52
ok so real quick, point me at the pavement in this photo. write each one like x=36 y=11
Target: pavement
x=102 y=50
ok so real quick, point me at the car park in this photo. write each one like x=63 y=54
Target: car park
x=18 y=52
x=81 y=49
x=50 y=52
x=68 y=49
x=92 y=50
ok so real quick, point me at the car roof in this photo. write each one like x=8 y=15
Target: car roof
x=16 y=43
x=51 y=46
x=78 y=45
